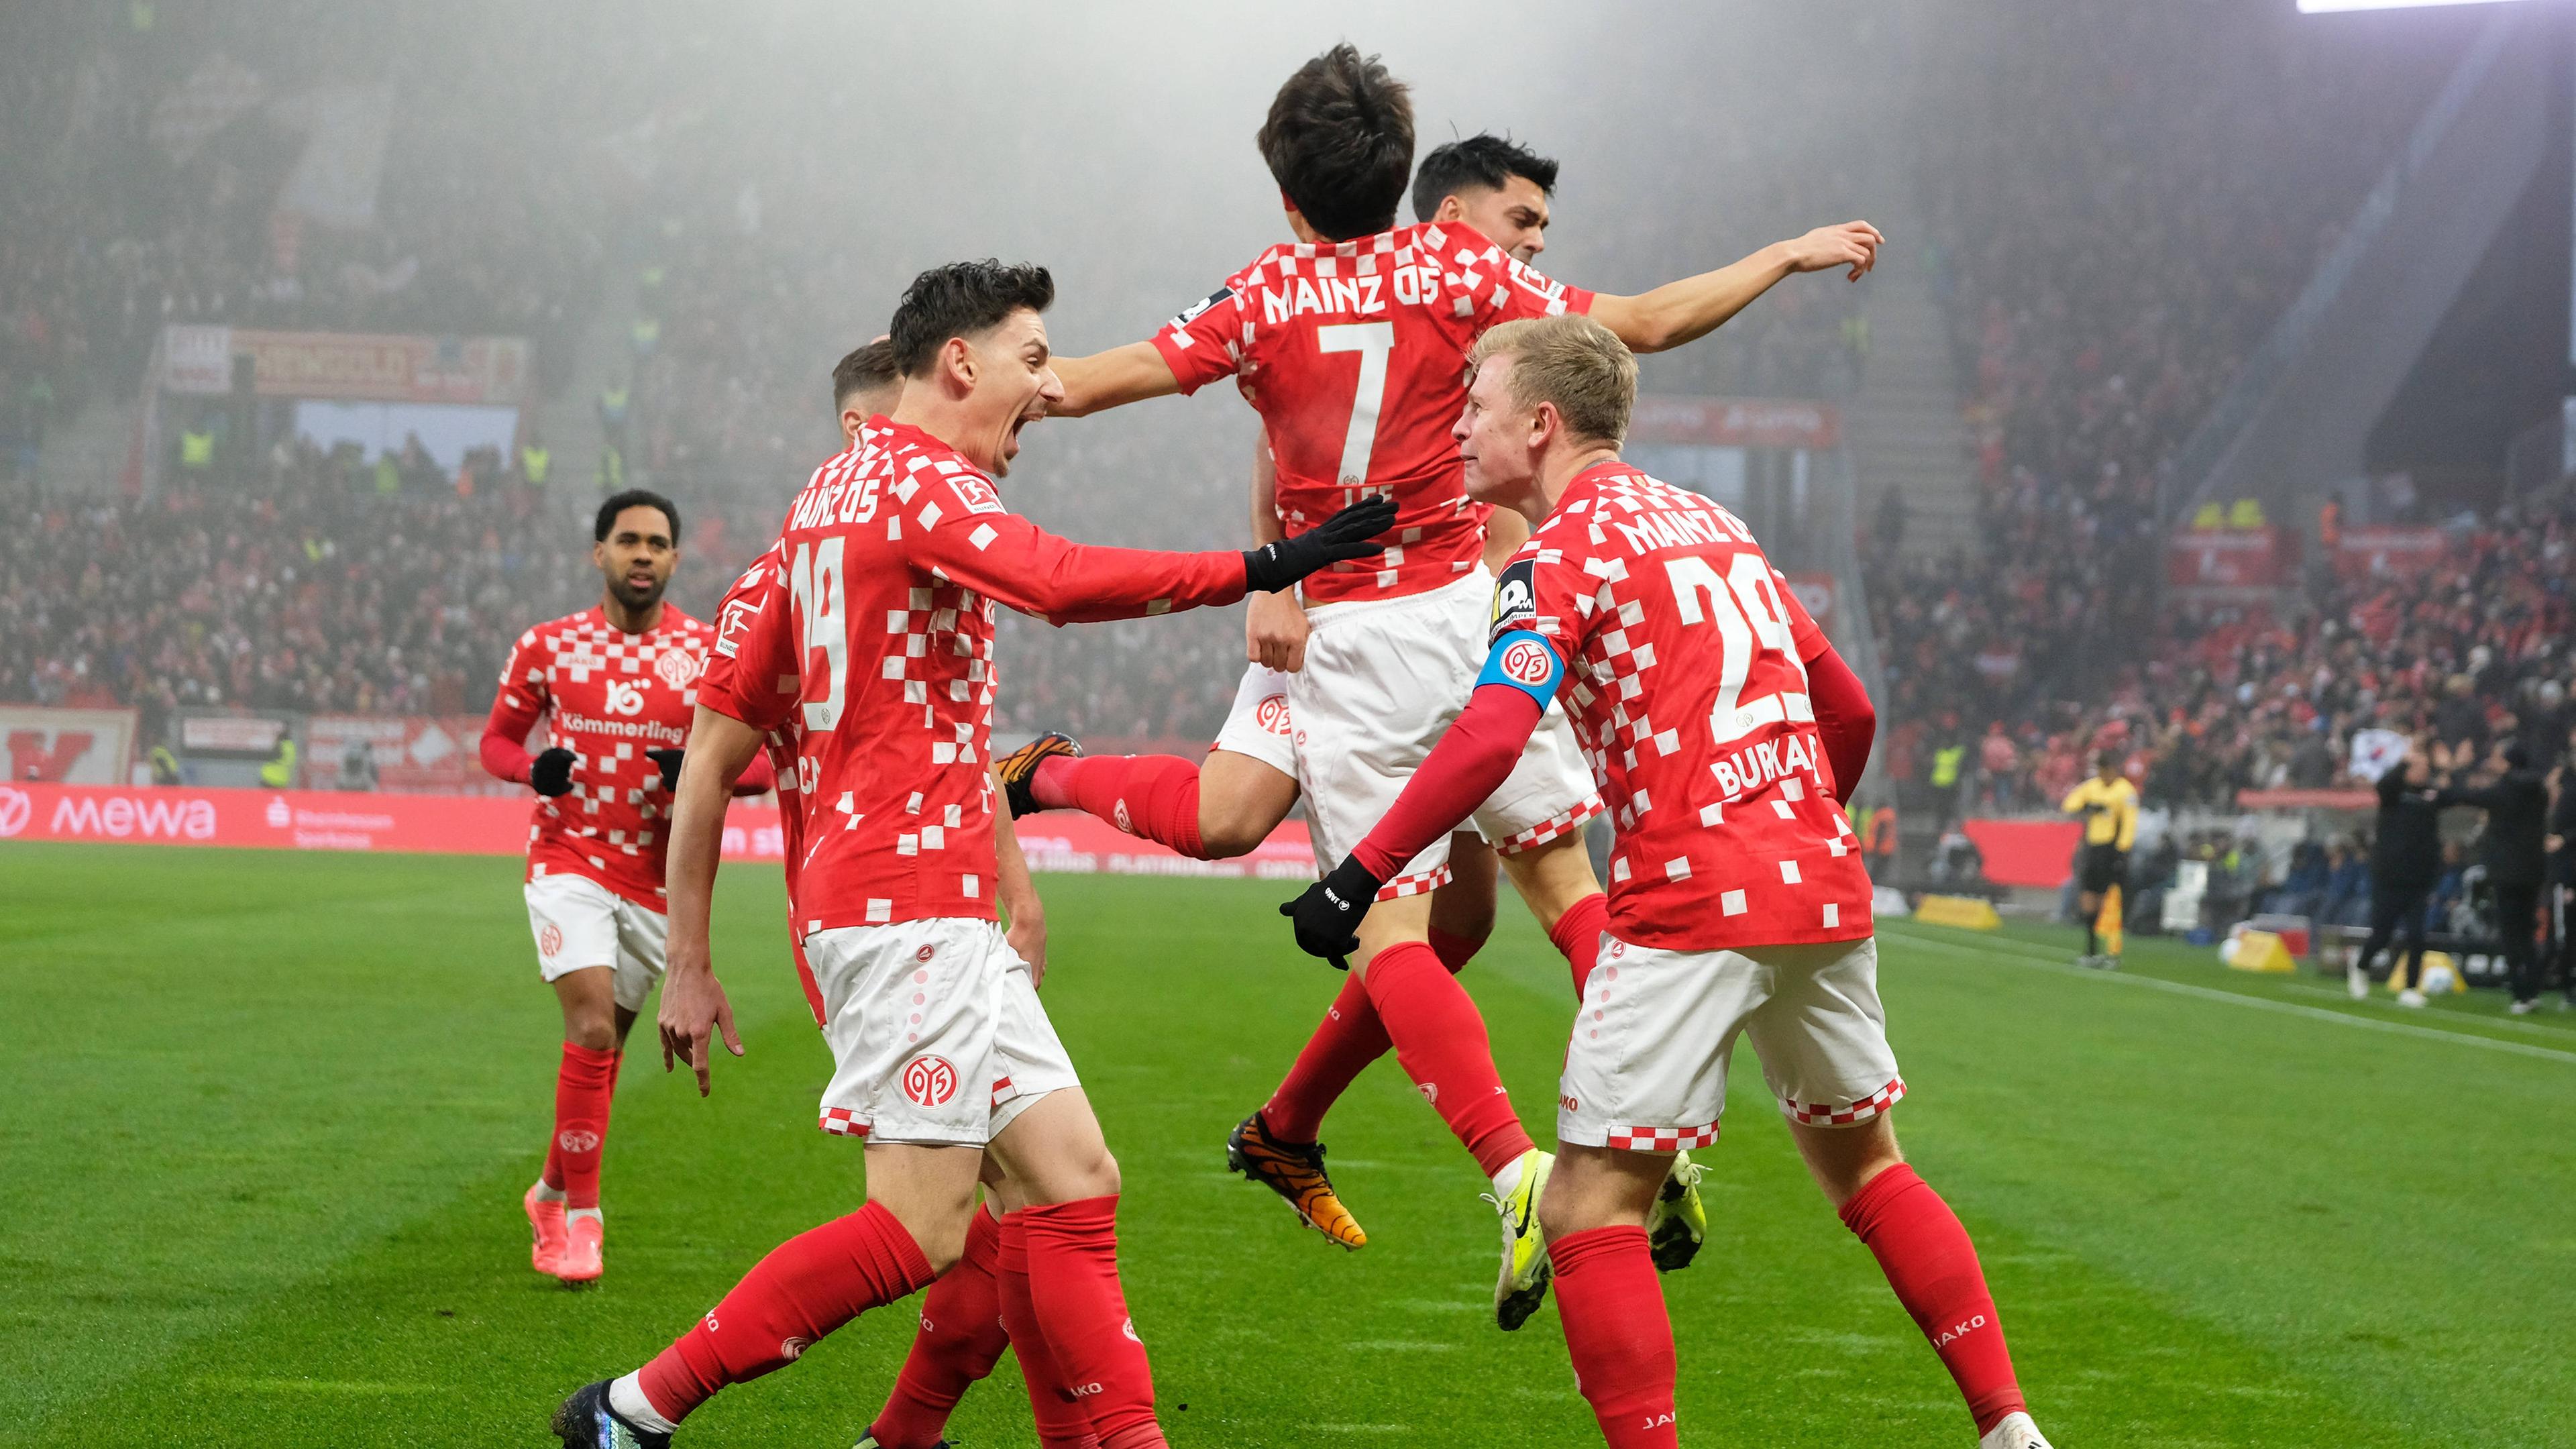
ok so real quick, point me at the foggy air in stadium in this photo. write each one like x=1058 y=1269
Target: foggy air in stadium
x=1193 y=685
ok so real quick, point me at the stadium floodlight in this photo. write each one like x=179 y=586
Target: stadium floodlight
x=2322 y=7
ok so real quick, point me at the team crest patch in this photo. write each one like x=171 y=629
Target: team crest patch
x=929 y=1081
x=676 y=666
x=1272 y=714
x=1528 y=661
x=550 y=940
x=573 y=1139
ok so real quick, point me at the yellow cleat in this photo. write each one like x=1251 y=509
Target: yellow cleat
x=1678 y=1222
x=1522 y=1287
x=1295 y=1171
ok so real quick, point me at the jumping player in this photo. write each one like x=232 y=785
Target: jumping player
x=896 y=553
x=1348 y=342
x=1723 y=731
x=616 y=685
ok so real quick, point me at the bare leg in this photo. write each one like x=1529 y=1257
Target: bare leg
x=1241 y=800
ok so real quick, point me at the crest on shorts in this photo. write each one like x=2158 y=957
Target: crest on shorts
x=550 y=940
x=1272 y=714
x=929 y=1081
x=676 y=666
x=1515 y=598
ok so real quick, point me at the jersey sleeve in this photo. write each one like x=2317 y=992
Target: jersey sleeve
x=516 y=706
x=962 y=532
x=1489 y=287
x=1205 y=342
x=1549 y=594
x=752 y=667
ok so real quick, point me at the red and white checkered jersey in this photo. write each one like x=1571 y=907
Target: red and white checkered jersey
x=876 y=656
x=759 y=589
x=607 y=696
x=1682 y=647
x=1355 y=355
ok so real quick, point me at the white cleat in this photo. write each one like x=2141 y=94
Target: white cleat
x=2015 y=1432
x=2410 y=998
x=2357 y=981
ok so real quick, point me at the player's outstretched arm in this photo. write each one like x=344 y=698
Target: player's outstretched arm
x=1683 y=311
x=1009 y=559
x=1111 y=379
x=1468 y=765
x=694 y=1009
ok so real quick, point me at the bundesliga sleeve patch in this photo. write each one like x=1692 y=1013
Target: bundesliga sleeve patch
x=1525 y=662
x=1515 y=598
x=1191 y=313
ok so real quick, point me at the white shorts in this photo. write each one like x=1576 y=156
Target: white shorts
x=580 y=923
x=1258 y=724
x=936 y=1032
x=1647 y=1067
x=1383 y=679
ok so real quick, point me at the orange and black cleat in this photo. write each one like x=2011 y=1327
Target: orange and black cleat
x=1295 y=1171
x=1015 y=768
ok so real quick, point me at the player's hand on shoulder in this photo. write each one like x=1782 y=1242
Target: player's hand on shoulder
x=1347 y=535
x=669 y=760
x=551 y=773
x=1852 y=244
x=1327 y=917
x=1274 y=632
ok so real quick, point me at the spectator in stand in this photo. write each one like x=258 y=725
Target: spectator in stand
x=1998 y=762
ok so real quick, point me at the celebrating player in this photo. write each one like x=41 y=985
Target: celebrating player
x=616 y=685
x=896 y=552
x=1723 y=730
x=2109 y=805
x=1348 y=342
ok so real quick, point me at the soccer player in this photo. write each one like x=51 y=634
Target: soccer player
x=1723 y=731
x=1348 y=343
x=897 y=552
x=2109 y=805
x=616 y=685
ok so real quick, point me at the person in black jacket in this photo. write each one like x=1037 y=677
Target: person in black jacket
x=2405 y=861
x=2561 y=893
x=2517 y=806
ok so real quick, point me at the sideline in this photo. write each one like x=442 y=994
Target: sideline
x=1914 y=935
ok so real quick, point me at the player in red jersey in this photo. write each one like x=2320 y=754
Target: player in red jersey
x=962 y=1333
x=897 y=552
x=1349 y=343
x=616 y=685
x=1724 y=732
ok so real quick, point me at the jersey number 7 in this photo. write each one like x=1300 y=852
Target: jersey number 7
x=1372 y=341
x=1749 y=620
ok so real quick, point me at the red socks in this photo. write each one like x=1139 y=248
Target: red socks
x=1578 y=936
x=806 y=1287
x=1153 y=796
x=961 y=1337
x=1062 y=1422
x=1617 y=1334
x=1454 y=951
x=583 y=1085
x=1933 y=1267
x=1345 y=1042
x=1440 y=1040
x=1073 y=1284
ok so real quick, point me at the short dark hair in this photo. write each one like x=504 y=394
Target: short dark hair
x=958 y=300
x=1485 y=160
x=864 y=369
x=617 y=503
x=1339 y=141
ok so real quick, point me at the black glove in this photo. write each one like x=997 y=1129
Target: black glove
x=1328 y=914
x=551 y=772
x=669 y=760
x=1348 y=534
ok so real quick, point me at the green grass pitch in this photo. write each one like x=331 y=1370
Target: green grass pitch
x=264 y=1120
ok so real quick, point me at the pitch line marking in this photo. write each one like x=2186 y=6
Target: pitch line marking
x=2260 y=1003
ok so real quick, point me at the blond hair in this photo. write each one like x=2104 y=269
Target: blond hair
x=1572 y=361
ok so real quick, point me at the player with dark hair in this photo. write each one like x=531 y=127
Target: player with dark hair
x=865 y=385
x=1348 y=343
x=615 y=685
x=1726 y=734
x=896 y=553
x=1493 y=184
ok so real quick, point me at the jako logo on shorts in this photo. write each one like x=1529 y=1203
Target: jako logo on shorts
x=929 y=1081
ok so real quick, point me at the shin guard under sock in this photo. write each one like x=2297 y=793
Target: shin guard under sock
x=1929 y=1261
x=1155 y=797
x=1345 y=1042
x=582 y=1085
x=1617 y=1334
x=1440 y=1040
x=961 y=1338
x=1073 y=1286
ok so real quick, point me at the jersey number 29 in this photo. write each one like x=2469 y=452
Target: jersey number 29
x=1749 y=620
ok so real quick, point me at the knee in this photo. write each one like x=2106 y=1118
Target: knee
x=1226 y=839
x=942 y=1239
x=1094 y=1176
x=592 y=1031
